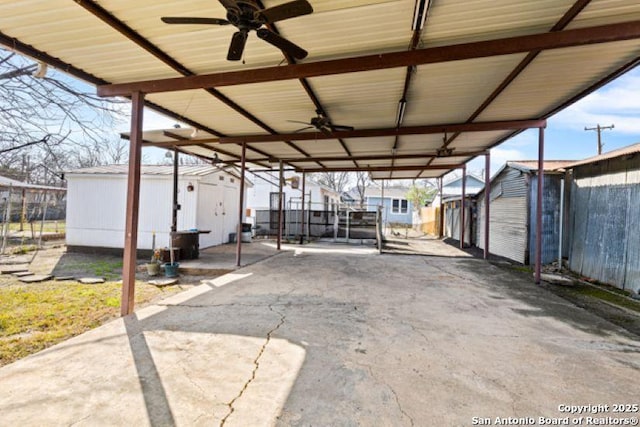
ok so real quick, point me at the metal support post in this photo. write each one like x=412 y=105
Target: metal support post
x=175 y=207
x=441 y=213
x=462 y=206
x=487 y=202
x=133 y=204
x=280 y=205
x=241 y=207
x=304 y=182
x=538 y=266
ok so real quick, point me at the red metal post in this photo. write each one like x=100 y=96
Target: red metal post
x=241 y=207
x=441 y=216
x=280 y=205
x=133 y=203
x=539 y=205
x=487 y=198
x=462 y=205
x=174 y=208
x=304 y=184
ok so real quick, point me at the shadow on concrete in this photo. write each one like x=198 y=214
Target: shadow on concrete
x=155 y=396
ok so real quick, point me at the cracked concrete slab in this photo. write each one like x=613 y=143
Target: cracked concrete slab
x=332 y=335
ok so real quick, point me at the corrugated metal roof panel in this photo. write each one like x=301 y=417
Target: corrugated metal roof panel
x=199 y=170
x=532 y=165
x=557 y=75
x=456 y=22
x=444 y=93
x=624 y=151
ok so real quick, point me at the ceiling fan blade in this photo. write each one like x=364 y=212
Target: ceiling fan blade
x=190 y=20
x=300 y=130
x=326 y=130
x=298 y=121
x=342 y=127
x=281 y=43
x=236 y=48
x=228 y=4
x=285 y=11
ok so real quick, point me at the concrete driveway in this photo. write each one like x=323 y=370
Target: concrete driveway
x=334 y=336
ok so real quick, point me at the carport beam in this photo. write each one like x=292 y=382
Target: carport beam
x=462 y=207
x=487 y=190
x=133 y=204
x=539 y=205
x=241 y=206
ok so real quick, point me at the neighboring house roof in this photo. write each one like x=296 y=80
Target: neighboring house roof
x=473 y=185
x=470 y=176
x=532 y=165
x=12 y=183
x=620 y=152
x=389 y=192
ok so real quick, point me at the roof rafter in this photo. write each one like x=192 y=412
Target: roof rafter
x=433 y=55
x=305 y=84
x=371 y=157
x=574 y=11
x=380 y=168
x=136 y=38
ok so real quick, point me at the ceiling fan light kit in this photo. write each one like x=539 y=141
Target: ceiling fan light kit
x=246 y=16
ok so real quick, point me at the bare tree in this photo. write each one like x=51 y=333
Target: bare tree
x=336 y=181
x=50 y=122
x=362 y=182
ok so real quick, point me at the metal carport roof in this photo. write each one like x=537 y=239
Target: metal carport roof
x=505 y=64
x=426 y=85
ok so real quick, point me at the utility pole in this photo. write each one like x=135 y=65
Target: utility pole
x=599 y=129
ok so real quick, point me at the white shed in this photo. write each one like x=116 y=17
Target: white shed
x=96 y=202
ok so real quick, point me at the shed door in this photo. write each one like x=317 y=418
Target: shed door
x=230 y=211
x=210 y=208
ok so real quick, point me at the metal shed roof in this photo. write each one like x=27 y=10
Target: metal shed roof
x=475 y=74
x=6 y=183
x=157 y=170
x=620 y=152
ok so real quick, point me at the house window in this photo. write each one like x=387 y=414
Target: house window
x=399 y=206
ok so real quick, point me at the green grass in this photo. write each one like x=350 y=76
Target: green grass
x=616 y=298
x=49 y=227
x=110 y=270
x=36 y=316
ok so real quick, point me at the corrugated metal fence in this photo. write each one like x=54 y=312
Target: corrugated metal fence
x=605 y=222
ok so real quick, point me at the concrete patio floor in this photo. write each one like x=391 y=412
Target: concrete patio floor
x=330 y=335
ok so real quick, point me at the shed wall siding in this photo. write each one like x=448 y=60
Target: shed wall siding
x=508 y=216
x=550 y=217
x=605 y=219
x=97 y=206
x=452 y=222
